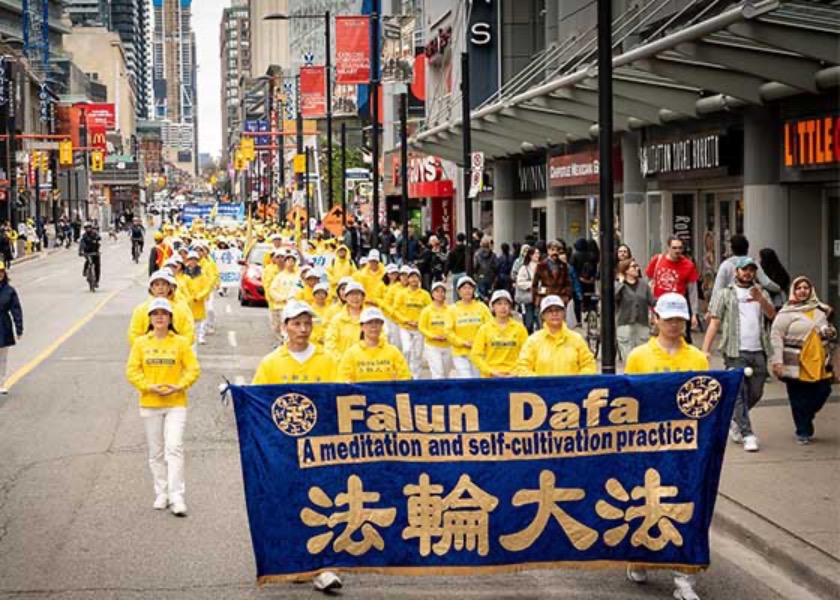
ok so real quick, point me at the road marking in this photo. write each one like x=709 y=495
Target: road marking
x=239 y=380
x=32 y=364
x=232 y=339
x=228 y=309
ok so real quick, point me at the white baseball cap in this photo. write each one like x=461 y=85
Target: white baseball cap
x=175 y=260
x=278 y=252
x=405 y=270
x=414 y=271
x=550 y=301
x=345 y=280
x=392 y=268
x=295 y=308
x=354 y=286
x=192 y=254
x=162 y=275
x=158 y=304
x=671 y=306
x=466 y=279
x=312 y=273
x=373 y=255
x=321 y=287
x=371 y=314
x=500 y=295
x=363 y=261
x=438 y=284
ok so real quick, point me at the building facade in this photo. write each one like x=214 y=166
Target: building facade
x=235 y=56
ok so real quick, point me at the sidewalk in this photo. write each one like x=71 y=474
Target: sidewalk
x=38 y=255
x=784 y=501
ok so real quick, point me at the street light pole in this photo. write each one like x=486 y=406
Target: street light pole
x=606 y=204
x=308 y=207
x=374 y=99
x=466 y=131
x=404 y=173
x=343 y=177
x=328 y=67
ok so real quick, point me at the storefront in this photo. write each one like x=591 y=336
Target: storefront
x=695 y=191
x=530 y=192
x=573 y=180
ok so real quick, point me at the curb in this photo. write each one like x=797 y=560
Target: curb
x=35 y=256
x=803 y=563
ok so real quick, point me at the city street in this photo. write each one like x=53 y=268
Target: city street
x=76 y=517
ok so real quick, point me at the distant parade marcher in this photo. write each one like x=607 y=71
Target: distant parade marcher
x=344 y=329
x=802 y=337
x=555 y=350
x=406 y=310
x=11 y=323
x=498 y=342
x=162 y=365
x=198 y=288
x=436 y=349
x=668 y=352
x=162 y=285
x=464 y=319
x=372 y=358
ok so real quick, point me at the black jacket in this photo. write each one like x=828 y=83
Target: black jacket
x=9 y=309
x=89 y=244
x=457 y=262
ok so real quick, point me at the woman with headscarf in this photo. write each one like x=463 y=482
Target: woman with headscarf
x=802 y=337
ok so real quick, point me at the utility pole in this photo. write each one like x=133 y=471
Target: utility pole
x=328 y=63
x=84 y=141
x=343 y=177
x=374 y=98
x=466 y=131
x=308 y=207
x=606 y=204
x=404 y=173
x=11 y=145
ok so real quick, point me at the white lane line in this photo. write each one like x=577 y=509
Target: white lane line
x=239 y=380
x=228 y=309
x=232 y=339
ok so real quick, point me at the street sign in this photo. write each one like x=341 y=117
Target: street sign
x=477 y=170
x=300 y=163
x=477 y=161
x=65 y=153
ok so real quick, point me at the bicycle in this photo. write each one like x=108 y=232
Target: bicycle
x=136 y=250
x=90 y=272
x=592 y=323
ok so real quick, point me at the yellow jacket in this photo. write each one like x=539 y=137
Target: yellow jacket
x=198 y=289
x=496 y=348
x=270 y=271
x=463 y=322
x=153 y=362
x=332 y=310
x=319 y=323
x=283 y=288
x=408 y=306
x=208 y=267
x=374 y=286
x=564 y=353
x=182 y=320
x=340 y=268
x=305 y=294
x=383 y=362
x=342 y=332
x=389 y=298
x=652 y=358
x=280 y=366
x=433 y=324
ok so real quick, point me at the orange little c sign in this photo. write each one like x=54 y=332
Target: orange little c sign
x=812 y=142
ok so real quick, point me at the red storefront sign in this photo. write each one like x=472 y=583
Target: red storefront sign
x=582 y=168
x=100 y=115
x=443 y=216
x=313 y=99
x=352 y=49
x=813 y=142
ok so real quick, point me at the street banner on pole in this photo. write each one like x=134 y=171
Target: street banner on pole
x=422 y=478
x=352 y=49
x=398 y=49
x=345 y=101
x=313 y=92
x=477 y=165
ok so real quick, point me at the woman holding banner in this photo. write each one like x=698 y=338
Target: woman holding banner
x=373 y=358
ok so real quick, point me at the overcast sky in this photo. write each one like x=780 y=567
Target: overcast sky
x=207 y=16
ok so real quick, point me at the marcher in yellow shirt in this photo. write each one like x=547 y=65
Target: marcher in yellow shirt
x=464 y=319
x=320 y=307
x=198 y=288
x=432 y=325
x=311 y=278
x=344 y=329
x=370 y=276
x=395 y=284
x=162 y=285
x=407 y=308
x=498 y=343
x=667 y=352
x=284 y=287
x=555 y=350
x=341 y=266
x=373 y=358
x=161 y=366
x=211 y=271
x=338 y=301
x=271 y=270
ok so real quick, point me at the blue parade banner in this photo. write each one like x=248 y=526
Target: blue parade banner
x=234 y=211
x=194 y=211
x=472 y=476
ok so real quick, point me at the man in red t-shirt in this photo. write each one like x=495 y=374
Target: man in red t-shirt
x=671 y=271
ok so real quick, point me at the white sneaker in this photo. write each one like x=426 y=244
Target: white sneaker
x=178 y=508
x=326 y=581
x=735 y=433
x=201 y=341
x=685 y=592
x=750 y=443
x=4 y=391
x=637 y=575
x=161 y=502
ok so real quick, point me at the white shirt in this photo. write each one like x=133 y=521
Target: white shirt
x=749 y=320
x=302 y=357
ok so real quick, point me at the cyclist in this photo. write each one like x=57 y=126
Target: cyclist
x=138 y=233
x=89 y=246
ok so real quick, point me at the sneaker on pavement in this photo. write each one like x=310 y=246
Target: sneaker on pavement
x=803 y=440
x=178 y=508
x=161 y=502
x=735 y=433
x=637 y=575
x=326 y=581
x=685 y=592
x=4 y=391
x=750 y=443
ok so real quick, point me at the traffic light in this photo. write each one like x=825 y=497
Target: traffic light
x=35 y=160
x=239 y=162
x=45 y=162
x=97 y=161
x=65 y=153
x=248 y=150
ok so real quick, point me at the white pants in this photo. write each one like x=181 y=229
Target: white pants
x=210 y=307
x=412 y=344
x=630 y=336
x=200 y=330
x=4 y=362
x=440 y=361
x=394 y=337
x=165 y=437
x=464 y=368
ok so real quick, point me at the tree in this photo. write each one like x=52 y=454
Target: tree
x=354 y=161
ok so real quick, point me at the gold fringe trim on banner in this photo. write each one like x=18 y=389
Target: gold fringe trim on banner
x=480 y=569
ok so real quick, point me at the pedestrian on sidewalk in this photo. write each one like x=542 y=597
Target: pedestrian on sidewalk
x=524 y=294
x=802 y=337
x=633 y=302
x=668 y=352
x=456 y=262
x=769 y=261
x=673 y=272
x=741 y=312
x=162 y=366
x=726 y=272
x=11 y=323
x=552 y=277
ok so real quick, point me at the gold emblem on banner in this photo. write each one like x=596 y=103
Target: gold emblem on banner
x=294 y=414
x=699 y=396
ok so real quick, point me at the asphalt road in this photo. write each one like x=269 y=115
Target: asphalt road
x=76 y=520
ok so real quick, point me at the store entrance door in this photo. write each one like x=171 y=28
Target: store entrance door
x=833 y=298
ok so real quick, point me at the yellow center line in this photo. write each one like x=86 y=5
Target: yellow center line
x=32 y=364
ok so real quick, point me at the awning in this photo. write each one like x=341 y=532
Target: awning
x=691 y=66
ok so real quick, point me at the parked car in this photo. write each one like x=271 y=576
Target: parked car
x=251 y=290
